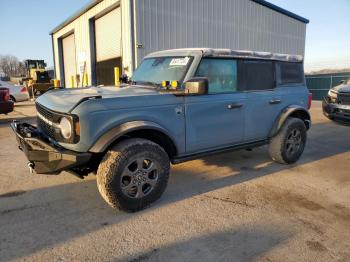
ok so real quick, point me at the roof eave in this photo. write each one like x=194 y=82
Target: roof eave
x=281 y=10
x=75 y=15
x=95 y=2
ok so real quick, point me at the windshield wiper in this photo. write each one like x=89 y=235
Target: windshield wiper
x=146 y=83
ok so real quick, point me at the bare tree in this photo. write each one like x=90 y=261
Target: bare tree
x=11 y=66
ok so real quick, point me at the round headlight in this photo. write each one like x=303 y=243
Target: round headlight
x=66 y=128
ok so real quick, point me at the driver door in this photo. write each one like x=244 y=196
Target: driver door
x=215 y=120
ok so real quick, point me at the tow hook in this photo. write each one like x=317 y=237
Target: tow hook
x=31 y=167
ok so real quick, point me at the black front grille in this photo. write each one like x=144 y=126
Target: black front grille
x=52 y=119
x=50 y=116
x=44 y=112
x=344 y=99
x=45 y=128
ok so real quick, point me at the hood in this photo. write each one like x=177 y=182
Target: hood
x=343 y=88
x=65 y=100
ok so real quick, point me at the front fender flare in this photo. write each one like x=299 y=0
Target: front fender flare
x=110 y=136
x=292 y=110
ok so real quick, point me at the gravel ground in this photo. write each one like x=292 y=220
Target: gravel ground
x=237 y=206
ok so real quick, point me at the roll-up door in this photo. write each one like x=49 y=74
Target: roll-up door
x=108 y=46
x=68 y=46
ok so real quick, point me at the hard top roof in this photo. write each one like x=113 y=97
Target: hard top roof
x=217 y=52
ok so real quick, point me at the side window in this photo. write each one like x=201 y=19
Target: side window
x=290 y=73
x=221 y=74
x=256 y=75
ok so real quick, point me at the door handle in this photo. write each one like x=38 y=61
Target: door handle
x=234 y=106
x=275 y=101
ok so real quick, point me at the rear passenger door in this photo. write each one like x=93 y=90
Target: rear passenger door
x=264 y=103
x=217 y=119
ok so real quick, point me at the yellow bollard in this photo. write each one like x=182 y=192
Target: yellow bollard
x=56 y=83
x=116 y=76
x=71 y=81
x=85 y=80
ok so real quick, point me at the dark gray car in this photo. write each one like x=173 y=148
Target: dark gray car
x=336 y=105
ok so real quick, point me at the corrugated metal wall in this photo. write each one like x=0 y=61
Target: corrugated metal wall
x=235 y=24
x=319 y=85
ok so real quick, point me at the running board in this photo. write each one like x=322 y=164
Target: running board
x=181 y=159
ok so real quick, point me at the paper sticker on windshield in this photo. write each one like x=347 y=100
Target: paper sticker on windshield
x=179 y=61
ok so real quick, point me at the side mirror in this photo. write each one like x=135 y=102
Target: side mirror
x=342 y=82
x=197 y=86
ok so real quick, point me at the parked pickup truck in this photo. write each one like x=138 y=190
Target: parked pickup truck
x=6 y=105
x=179 y=105
x=336 y=105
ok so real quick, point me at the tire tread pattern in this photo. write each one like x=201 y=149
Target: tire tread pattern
x=276 y=146
x=111 y=166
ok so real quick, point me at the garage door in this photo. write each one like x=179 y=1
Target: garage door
x=108 y=46
x=68 y=46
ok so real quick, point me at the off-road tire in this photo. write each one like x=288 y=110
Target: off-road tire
x=278 y=143
x=113 y=164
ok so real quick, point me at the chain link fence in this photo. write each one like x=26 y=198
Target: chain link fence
x=319 y=85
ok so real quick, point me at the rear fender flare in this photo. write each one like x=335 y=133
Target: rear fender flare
x=291 y=111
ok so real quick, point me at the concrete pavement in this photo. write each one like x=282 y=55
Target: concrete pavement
x=237 y=206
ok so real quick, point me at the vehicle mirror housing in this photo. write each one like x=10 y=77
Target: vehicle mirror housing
x=197 y=86
x=342 y=82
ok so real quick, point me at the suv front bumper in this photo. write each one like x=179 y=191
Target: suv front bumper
x=44 y=156
x=336 y=111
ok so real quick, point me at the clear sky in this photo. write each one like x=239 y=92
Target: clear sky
x=327 y=34
x=25 y=27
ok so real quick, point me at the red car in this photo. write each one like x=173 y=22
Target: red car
x=6 y=105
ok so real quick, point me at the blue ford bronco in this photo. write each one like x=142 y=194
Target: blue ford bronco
x=179 y=105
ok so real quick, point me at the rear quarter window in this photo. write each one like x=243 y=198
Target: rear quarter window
x=290 y=73
x=256 y=75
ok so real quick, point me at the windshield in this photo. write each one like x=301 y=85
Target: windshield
x=158 y=69
x=36 y=64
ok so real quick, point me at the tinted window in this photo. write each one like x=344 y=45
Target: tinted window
x=256 y=75
x=221 y=74
x=291 y=73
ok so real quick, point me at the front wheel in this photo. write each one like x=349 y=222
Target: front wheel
x=133 y=174
x=288 y=145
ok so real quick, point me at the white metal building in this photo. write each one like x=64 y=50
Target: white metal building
x=119 y=33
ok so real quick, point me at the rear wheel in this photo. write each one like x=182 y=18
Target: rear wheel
x=288 y=145
x=133 y=174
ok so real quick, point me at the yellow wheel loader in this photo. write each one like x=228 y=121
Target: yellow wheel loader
x=37 y=80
